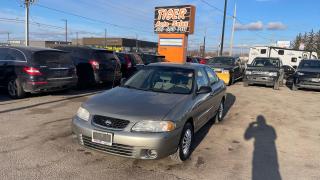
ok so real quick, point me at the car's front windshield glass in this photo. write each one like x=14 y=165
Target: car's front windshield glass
x=163 y=79
x=222 y=60
x=314 y=64
x=266 y=62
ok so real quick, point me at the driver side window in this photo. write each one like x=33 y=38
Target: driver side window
x=212 y=76
x=202 y=80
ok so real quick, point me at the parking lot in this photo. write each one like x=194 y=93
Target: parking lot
x=37 y=143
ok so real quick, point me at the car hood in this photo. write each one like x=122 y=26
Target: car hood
x=266 y=69
x=221 y=66
x=309 y=70
x=132 y=104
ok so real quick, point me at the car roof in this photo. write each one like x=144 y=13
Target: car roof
x=176 y=65
x=29 y=50
x=83 y=48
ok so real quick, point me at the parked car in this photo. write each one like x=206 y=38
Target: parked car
x=202 y=60
x=265 y=71
x=192 y=59
x=94 y=66
x=307 y=75
x=151 y=58
x=29 y=69
x=153 y=114
x=229 y=69
x=130 y=63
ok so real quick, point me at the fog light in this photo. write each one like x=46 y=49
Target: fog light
x=152 y=154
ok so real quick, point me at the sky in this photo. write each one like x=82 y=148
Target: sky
x=258 y=22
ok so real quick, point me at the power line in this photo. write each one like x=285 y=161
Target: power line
x=94 y=20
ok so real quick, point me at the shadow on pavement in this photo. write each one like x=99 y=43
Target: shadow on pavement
x=265 y=164
x=202 y=133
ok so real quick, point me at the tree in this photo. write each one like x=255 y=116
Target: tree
x=310 y=45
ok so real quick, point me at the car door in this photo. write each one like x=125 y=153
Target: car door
x=3 y=64
x=217 y=91
x=200 y=108
x=237 y=69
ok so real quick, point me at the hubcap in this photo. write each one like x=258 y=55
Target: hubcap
x=186 y=141
x=12 y=88
x=221 y=111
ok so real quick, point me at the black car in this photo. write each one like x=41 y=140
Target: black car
x=192 y=59
x=151 y=58
x=229 y=69
x=94 y=66
x=28 y=69
x=265 y=71
x=307 y=75
x=130 y=63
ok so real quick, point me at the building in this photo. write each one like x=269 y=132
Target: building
x=41 y=44
x=118 y=44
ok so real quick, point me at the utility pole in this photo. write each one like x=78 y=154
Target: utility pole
x=137 y=46
x=27 y=4
x=66 y=29
x=8 y=42
x=105 y=38
x=204 y=44
x=223 y=26
x=77 y=34
x=233 y=26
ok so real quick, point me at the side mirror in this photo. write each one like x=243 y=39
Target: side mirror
x=123 y=81
x=204 y=90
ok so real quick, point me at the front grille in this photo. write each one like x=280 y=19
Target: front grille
x=107 y=122
x=118 y=149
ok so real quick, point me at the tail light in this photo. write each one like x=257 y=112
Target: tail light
x=32 y=71
x=128 y=62
x=94 y=64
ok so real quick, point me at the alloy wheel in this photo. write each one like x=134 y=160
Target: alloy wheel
x=186 y=141
x=12 y=88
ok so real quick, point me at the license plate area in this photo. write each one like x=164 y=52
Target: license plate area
x=102 y=138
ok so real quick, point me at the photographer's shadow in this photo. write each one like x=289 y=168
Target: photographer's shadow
x=265 y=164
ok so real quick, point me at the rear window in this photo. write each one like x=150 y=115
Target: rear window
x=104 y=56
x=52 y=58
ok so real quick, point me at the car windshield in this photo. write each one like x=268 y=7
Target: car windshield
x=314 y=64
x=266 y=62
x=221 y=60
x=162 y=79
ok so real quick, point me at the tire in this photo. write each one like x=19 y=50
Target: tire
x=232 y=80
x=245 y=83
x=294 y=87
x=15 y=89
x=220 y=112
x=276 y=85
x=184 y=148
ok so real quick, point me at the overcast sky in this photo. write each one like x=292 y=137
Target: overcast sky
x=258 y=21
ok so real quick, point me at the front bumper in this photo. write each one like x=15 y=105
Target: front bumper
x=49 y=85
x=308 y=83
x=224 y=76
x=128 y=144
x=263 y=80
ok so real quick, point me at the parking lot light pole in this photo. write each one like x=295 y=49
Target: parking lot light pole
x=26 y=21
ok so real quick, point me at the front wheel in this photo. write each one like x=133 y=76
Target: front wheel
x=220 y=112
x=184 y=149
x=232 y=80
x=15 y=89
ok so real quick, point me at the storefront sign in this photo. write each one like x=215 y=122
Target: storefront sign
x=174 y=19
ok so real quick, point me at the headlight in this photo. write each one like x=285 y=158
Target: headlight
x=83 y=114
x=300 y=73
x=272 y=73
x=248 y=72
x=154 y=126
x=225 y=71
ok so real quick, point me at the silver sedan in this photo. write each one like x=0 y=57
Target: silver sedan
x=153 y=114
